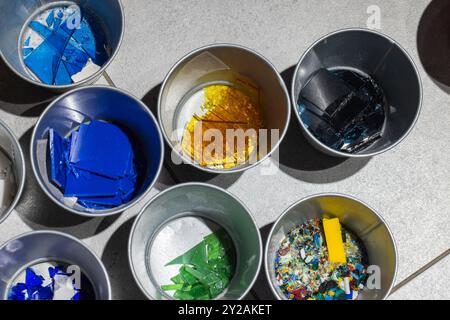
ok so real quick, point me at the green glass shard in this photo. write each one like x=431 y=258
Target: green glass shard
x=206 y=270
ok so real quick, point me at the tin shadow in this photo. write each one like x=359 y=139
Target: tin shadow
x=433 y=42
x=184 y=173
x=302 y=161
x=261 y=289
x=115 y=258
x=39 y=212
x=19 y=97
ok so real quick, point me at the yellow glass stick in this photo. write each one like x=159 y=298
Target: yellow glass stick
x=333 y=235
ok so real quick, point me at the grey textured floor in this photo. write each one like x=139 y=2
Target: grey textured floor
x=409 y=186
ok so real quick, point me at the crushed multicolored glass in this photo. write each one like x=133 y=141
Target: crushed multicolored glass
x=303 y=270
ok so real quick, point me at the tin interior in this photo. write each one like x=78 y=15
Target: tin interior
x=382 y=59
x=99 y=103
x=10 y=147
x=14 y=15
x=38 y=247
x=196 y=201
x=211 y=66
x=357 y=218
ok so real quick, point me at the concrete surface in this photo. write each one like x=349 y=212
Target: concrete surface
x=409 y=186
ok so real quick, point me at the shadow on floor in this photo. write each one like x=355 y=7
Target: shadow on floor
x=19 y=97
x=433 y=42
x=261 y=289
x=115 y=258
x=39 y=212
x=300 y=160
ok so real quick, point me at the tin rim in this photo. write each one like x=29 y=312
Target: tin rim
x=189 y=161
x=101 y=213
x=335 y=152
x=267 y=263
x=194 y=184
x=20 y=186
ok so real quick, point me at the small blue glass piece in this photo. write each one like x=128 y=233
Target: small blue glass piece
x=17 y=293
x=42 y=61
x=58 y=147
x=44 y=293
x=102 y=148
x=76 y=297
x=27 y=42
x=27 y=51
x=50 y=19
x=82 y=183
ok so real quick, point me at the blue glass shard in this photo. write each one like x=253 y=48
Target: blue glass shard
x=42 y=61
x=27 y=42
x=72 y=22
x=27 y=51
x=57 y=148
x=76 y=297
x=18 y=292
x=42 y=30
x=98 y=144
x=32 y=281
x=82 y=183
x=74 y=57
x=72 y=69
x=50 y=19
x=44 y=293
x=62 y=76
x=86 y=38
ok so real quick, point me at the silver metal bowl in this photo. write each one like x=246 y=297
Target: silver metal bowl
x=104 y=103
x=11 y=147
x=193 y=201
x=382 y=58
x=204 y=66
x=357 y=217
x=15 y=14
x=40 y=246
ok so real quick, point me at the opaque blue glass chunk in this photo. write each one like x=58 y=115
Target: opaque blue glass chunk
x=42 y=62
x=58 y=168
x=96 y=165
x=103 y=149
x=85 y=184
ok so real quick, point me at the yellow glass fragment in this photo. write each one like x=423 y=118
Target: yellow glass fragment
x=335 y=244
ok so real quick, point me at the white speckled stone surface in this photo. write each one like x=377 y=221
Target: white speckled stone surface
x=409 y=186
x=428 y=286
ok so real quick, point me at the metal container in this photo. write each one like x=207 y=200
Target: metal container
x=102 y=103
x=15 y=14
x=36 y=247
x=208 y=65
x=10 y=146
x=193 y=201
x=378 y=56
x=357 y=217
